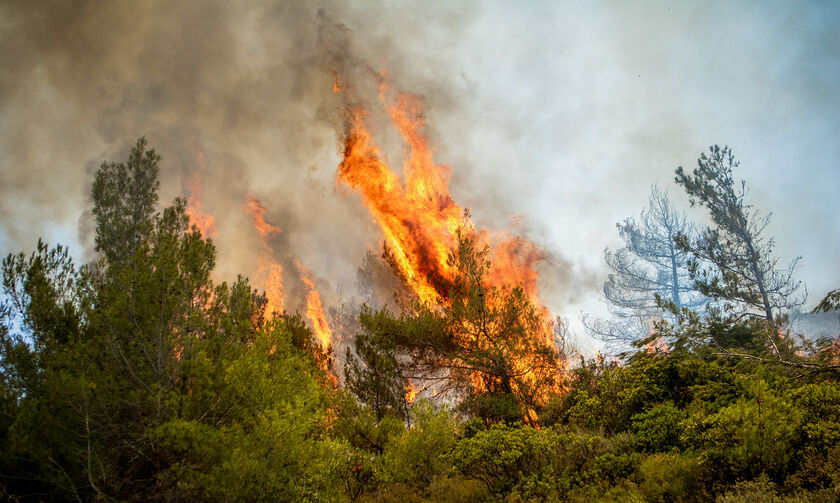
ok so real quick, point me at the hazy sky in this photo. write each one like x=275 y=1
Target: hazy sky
x=557 y=116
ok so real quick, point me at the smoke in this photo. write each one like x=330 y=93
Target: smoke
x=246 y=91
x=564 y=112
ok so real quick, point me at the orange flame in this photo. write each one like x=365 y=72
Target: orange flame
x=205 y=222
x=269 y=270
x=273 y=286
x=418 y=217
x=314 y=309
x=410 y=392
x=256 y=209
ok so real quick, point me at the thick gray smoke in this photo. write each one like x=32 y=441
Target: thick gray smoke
x=246 y=90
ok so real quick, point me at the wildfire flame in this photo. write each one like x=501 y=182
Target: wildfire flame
x=273 y=285
x=205 y=222
x=314 y=309
x=269 y=270
x=418 y=217
x=336 y=84
x=273 y=274
x=256 y=209
x=410 y=392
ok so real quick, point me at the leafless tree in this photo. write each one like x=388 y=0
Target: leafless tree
x=647 y=270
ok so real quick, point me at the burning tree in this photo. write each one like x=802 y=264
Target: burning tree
x=484 y=347
x=478 y=328
x=143 y=379
x=491 y=343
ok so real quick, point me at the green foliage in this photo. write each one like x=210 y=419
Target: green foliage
x=756 y=434
x=44 y=322
x=493 y=343
x=501 y=456
x=414 y=465
x=744 y=271
x=671 y=476
x=141 y=378
x=357 y=426
x=417 y=456
x=831 y=302
x=701 y=420
x=761 y=490
x=658 y=429
x=607 y=395
x=485 y=346
x=260 y=434
x=372 y=372
x=819 y=404
x=818 y=472
x=125 y=199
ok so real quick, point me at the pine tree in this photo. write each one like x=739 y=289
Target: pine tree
x=743 y=270
x=647 y=270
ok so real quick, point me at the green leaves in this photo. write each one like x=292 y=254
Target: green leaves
x=658 y=428
x=819 y=404
x=125 y=198
x=145 y=380
x=372 y=371
x=418 y=456
x=743 y=269
x=831 y=302
x=502 y=455
x=262 y=431
x=140 y=378
x=485 y=346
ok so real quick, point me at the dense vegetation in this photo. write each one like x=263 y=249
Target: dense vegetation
x=140 y=378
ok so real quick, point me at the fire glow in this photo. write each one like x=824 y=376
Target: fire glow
x=270 y=271
x=272 y=274
x=314 y=309
x=205 y=222
x=421 y=222
x=417 y=215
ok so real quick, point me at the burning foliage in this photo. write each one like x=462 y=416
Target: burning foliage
x=204 y=221
x=314 y=308
x=489 y=337
x=494 y=337
x=476 y=329
x=270 y=271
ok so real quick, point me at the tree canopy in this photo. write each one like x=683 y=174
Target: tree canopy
x=744 y=270
x=648 y=269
